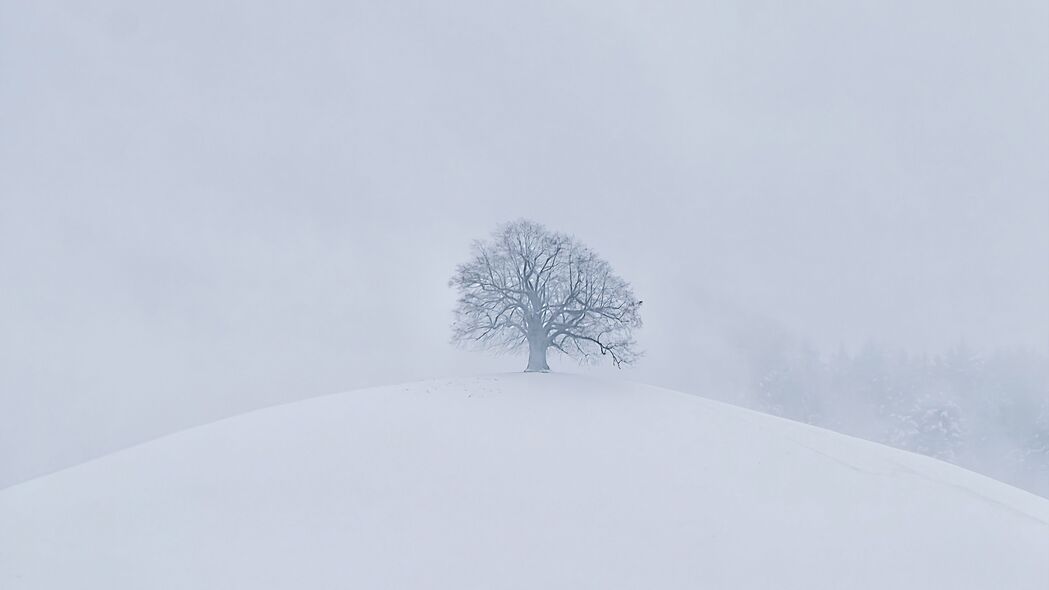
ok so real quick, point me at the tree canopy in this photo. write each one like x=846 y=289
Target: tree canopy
x=527 y=285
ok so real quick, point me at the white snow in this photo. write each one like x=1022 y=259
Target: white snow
x=518 y=481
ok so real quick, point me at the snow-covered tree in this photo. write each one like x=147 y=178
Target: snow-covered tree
x=933 y=426
x=527 y=285
x=1035 y=452
x=985 y=411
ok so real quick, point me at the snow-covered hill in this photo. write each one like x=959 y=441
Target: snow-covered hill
x=518 y=481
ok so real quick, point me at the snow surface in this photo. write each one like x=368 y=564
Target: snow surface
x=518 y=481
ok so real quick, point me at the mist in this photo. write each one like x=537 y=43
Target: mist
x=209 y=209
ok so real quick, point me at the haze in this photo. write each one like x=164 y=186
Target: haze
x=206 y=209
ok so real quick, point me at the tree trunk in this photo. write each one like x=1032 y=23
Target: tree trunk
x=537 y=346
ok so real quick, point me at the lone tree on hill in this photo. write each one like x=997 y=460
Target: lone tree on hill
x=529 y=285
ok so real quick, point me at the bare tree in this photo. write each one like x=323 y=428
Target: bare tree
x=528 y=285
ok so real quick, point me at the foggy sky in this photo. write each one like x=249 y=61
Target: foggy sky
x=206 y=209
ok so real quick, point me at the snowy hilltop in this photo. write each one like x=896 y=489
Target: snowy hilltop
x=518 y=481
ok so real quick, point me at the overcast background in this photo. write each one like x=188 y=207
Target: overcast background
x=210 y=207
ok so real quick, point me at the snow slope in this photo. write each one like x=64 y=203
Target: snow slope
x=518 y=481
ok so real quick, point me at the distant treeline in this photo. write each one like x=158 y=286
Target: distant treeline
x=986 y=412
